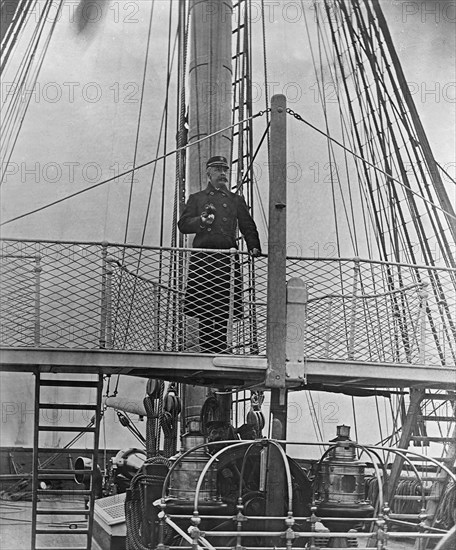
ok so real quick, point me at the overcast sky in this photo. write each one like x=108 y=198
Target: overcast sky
x=82 y=121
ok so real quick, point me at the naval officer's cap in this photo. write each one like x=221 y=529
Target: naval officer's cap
x=217 y=161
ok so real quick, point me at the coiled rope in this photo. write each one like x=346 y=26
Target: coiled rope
x=134 y=503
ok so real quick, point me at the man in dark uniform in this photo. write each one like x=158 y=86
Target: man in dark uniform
x=214 y=277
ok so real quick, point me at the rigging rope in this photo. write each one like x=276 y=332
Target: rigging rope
x=299 y=117
x=22 y=110
x=265 y=69
x=138 y=128
x=143 y=165
x=149 y=200
x=166 y=110
x=15 y=29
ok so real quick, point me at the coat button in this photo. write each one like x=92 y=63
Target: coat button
x=209 y=229
x=211 y=193
x=224 y=205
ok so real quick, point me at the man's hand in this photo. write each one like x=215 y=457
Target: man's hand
x=208 y=215
x=255 y=252
x=207 y=219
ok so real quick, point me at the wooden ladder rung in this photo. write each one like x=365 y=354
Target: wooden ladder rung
x=69 y=383
x=68 y=406
x=58 y=428
x=66 y=531
x=64 y=492
x=61 y=471
x=62 y=512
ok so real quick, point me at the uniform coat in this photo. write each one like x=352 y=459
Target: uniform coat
x=208 y=286
x=231 y=210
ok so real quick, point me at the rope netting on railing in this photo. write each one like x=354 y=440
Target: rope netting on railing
x=89 y=295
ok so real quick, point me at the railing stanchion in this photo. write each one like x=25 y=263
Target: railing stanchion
x=37 y=327
x=155 y=318
x=229 y=335
x=328 y=325
x=102 y=338
x=109 y=272
x=423 y=295
x=351 y=338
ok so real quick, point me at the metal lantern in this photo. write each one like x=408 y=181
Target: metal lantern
x=341 y=484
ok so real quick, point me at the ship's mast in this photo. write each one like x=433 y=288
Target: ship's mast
x=210 y=85
x=210 y=110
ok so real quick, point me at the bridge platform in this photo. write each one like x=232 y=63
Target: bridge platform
x=119 y=309
x=229 y=371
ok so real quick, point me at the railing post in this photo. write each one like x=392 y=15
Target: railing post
x=423 y=295
x=104 y=254
x=37 y=270
x=109 y=272
x=351 y=337
x=155 y=319
x=328 y=325
x=229 y=334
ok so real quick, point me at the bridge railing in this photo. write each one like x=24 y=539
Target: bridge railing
x=113 y=296
x=376 y=311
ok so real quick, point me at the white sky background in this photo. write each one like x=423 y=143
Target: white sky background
x=97 y=137
x=81 y=124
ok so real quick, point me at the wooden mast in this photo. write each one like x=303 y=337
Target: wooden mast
x=210 y=100
x=210 y=85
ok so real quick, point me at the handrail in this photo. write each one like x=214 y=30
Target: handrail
x=240 y=252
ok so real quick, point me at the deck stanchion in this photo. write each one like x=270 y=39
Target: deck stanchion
x=328 y=326
x=423 y=295
x=108 y=332
x=351 y=338
x=155 y=318
x=229 y=336
x=104 y=254
x=37 y=328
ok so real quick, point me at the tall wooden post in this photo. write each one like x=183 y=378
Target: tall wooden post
x=277 y=307
x=277 y=245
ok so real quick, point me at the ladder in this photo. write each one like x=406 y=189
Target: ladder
x=440 y=410
x=47 y=519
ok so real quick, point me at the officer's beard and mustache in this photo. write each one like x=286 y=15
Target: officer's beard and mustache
x=219 y=182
